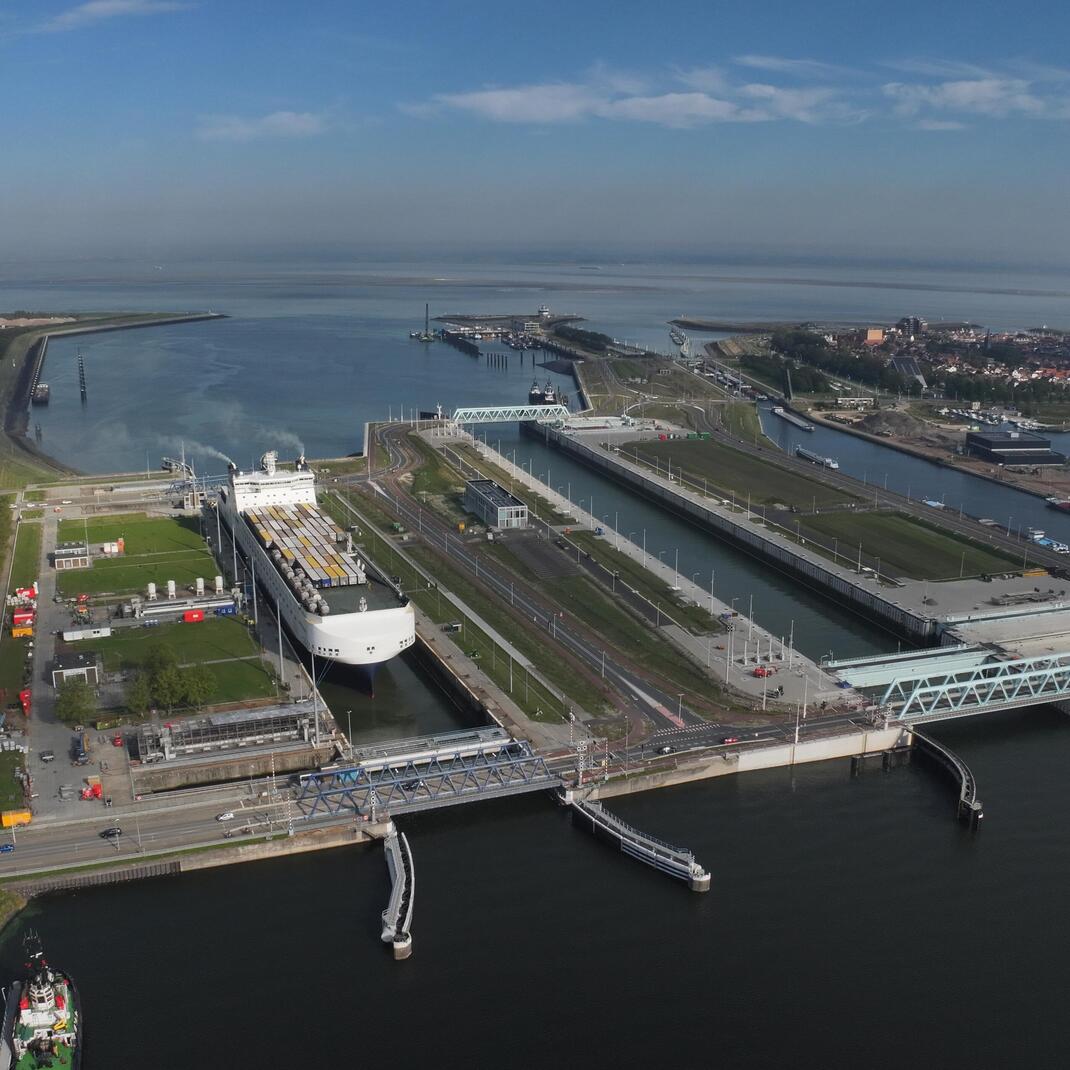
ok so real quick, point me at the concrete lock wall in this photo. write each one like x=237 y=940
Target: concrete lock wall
x=753 y=540
x=745 y=761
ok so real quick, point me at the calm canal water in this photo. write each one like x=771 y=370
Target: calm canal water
x=849 y=921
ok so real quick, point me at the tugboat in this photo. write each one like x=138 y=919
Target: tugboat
x=536 y=395
x=42 y=1018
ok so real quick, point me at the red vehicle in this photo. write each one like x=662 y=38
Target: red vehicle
x=193 y=616
x=116 y=741
x=730 y=739
x=761 y=671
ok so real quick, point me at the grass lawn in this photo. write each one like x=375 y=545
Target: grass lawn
x=27 y=562
x=123 y=574
x=907 y=546
x=236 y=681
x=10 y=788
x=142 y=534
x=732 y=473
x=32 y=514
x=213 y=638
x=12 y=658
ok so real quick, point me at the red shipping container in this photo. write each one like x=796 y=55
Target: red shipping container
x=192 y=616
x=23 y=616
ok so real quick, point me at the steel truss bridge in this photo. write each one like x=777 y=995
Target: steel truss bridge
x=935 y=695
x=425 y=781
x=500 y=414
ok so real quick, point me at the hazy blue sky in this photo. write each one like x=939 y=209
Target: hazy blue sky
x=908 y=129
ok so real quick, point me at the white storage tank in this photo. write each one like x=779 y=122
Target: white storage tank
x=152 y=592
x=198 y=586
x=170 y=588
x=219 y=585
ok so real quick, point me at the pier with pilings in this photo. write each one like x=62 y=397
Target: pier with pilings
x=664 y=857
x=397 y=918
x=969 y=810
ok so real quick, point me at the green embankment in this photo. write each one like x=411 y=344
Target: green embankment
x=907 y=546
x=646 y=583
x=25 y=568
x=734 y=474
x=10 y=904
x=741 y=419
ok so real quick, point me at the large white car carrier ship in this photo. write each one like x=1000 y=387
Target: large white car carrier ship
x=330 y=599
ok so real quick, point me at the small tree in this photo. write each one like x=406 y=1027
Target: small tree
x=159 y=657
x=139 y=693
x=199 y=683
x=76 y=702
x=168 y=686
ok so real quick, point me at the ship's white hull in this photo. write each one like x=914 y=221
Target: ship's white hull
x=363 y=639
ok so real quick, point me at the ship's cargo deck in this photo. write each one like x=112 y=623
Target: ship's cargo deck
x=305 y=538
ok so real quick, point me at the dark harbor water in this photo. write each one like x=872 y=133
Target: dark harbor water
x=850 y=921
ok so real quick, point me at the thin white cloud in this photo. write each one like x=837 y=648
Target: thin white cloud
x=567 y=102
x=704 y=79
x=937 y=68
x=939 y=124
x=96 y=11
x=278 y=124
x=993 y=97
x=674 y=109
x=554 y=102
x=803 y=105
x=709 y=95
x=796 y=68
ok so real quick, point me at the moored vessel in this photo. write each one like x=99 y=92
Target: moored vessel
x=42 y=1017
x=332 y=600
x=816 y=458
x=798 y=421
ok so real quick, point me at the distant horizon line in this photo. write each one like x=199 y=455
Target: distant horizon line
x=534 y=256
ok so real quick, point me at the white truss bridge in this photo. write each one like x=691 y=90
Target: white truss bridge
x=939 y=695
x=501 y=414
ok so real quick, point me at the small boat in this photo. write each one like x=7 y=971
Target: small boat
x=42 y=1017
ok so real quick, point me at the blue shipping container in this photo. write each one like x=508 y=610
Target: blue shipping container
x=225 y=611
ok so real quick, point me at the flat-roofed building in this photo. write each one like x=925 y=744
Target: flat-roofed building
x=70 y=555
x=1012 y=447
x=76 y=667
x=494 y=505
